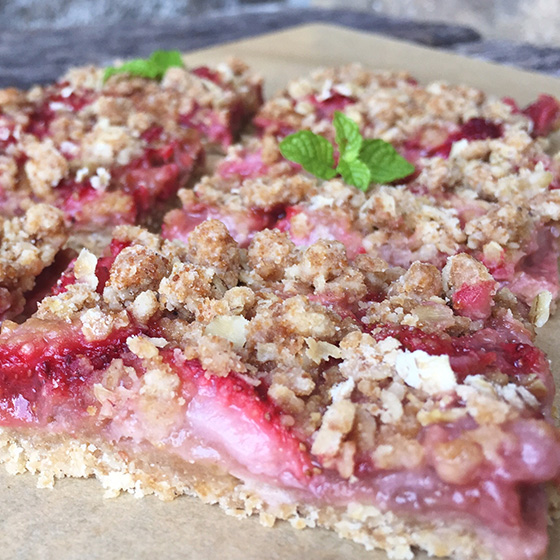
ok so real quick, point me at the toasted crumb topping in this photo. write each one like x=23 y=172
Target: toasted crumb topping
x=28 y=245
x=296 y=321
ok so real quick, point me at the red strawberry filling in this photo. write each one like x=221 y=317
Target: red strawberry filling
x=248 y=166
x=474 y=129
x=60 y=97
x=159 y=173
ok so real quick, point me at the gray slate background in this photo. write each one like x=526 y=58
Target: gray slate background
x=39 y=55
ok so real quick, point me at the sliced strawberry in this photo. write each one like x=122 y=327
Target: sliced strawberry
x=545 y=114
x=475 y=300
x=228 y=413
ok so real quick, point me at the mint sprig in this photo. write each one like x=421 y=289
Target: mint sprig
x=313 y=152
x=348 y=137
x=153 y=67
x=384 y=162
x=361 y=161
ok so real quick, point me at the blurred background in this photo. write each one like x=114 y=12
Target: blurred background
x=530 y=21
x=40 y=39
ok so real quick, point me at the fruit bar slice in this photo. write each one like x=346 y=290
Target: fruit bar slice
x=30 y=253
x=444 y=211
x=465 y=146
x=395 y=107
x=116 y=152
x=399 y=408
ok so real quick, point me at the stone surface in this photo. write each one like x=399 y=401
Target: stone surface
x=529 y=57
x=26 y=14
x=41 y=55
x=530 y=21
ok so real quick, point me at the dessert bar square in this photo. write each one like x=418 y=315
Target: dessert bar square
x=484 y=180
x=292 y=383
x=116 y=151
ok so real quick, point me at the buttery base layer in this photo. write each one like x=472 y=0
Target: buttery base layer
x=54 y=457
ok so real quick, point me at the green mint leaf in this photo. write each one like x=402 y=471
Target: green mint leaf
x=153 y=67
x=355 y=173
x=384 y=162
x=166 y=59
x=348 y=136
x=313 y=152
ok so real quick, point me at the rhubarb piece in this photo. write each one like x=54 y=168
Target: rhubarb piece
x=29 y=248
x=117 y=152
x=401 y=408
x=509 y=223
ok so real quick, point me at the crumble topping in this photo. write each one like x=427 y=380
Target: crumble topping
x=331 y=373
x=540 y=310
x=28 y=245
x=431 y=374
x=373 y=366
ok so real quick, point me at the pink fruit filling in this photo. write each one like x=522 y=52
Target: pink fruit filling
x=216 y=127
x=474 y=129
x=59 y=97
x=242 y=226
x=326 y=105
x=150 y=179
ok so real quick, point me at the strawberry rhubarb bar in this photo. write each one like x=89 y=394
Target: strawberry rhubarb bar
x=114 y=148
x=484 y=182
x=383 y=403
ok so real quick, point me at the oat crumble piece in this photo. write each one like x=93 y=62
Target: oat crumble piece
x=28 y=246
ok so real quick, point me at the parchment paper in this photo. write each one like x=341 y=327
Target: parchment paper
x=74 y=521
